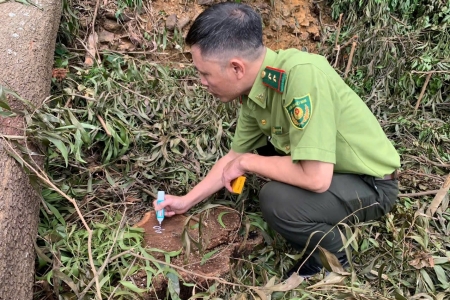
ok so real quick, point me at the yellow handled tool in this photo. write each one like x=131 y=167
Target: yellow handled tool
x=238 y=184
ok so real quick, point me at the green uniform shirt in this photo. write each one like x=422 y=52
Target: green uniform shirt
x=316 y=116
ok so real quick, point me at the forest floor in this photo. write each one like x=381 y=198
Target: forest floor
x=131 y=118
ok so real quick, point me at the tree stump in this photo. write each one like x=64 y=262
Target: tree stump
x=219 y=232
x=27 y=36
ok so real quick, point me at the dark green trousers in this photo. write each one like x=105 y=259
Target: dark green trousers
x=297 y=214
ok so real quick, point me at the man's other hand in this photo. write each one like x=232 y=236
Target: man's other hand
x=231 y=171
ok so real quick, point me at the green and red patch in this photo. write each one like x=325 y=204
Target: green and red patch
x=299 y=111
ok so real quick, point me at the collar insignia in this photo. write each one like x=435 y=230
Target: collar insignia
x=274 y=78
x=260 y=97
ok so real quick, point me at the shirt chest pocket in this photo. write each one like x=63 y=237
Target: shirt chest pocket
x=281 y=142
x=262 y=118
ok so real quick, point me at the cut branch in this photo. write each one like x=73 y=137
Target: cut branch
x=93 y=29
x=338 y=31
x=104 y=125
x=442 y=193
x=430 y=72
x=422 y=92
x=350 y=59
x=336 y=46
x=419 y=194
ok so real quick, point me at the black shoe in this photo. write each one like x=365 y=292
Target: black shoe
x=308 y=268
x=311 y=267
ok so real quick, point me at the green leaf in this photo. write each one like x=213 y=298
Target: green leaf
x=132 y=287
x=56 y=213
x=174 y=285
x=219 y=218
x=104 y=280
x=110 y=179
x=442 y=277
x=84 y=135
x=427 y=280
x=3 y=103
x=399 y=297
x=7 y=114
x=3 y=99
x=207 y=256
x=61 y=147
x=67 y=280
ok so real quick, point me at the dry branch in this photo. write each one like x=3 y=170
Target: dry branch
x=442 y=193
x=338 y=31
x=93 y=28
x=419 y=194
x=430 y=72
x=104 y=125
x=336 y=46
x=350 y=59
x=422 y=92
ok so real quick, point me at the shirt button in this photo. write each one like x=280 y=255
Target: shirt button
x=263 y=122
x=287 y=147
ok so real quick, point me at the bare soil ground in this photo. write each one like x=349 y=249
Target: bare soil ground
x=287 y=24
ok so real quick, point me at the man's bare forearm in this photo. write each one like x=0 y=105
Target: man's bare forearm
x=212 y=182
x=311 y=175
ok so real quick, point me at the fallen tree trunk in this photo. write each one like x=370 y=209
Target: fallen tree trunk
x=27 y=36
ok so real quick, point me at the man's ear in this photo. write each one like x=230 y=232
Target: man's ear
x=238 y=67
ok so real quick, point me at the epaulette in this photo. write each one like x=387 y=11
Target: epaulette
x=274 y=78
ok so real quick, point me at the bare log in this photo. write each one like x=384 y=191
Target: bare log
x=27 y=35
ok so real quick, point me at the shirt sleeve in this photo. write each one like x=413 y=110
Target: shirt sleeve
x=315 y=140
x=248 y=135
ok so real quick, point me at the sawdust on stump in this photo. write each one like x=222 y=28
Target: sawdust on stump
x=225 y=239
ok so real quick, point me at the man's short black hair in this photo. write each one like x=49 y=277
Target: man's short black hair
x=227 y=28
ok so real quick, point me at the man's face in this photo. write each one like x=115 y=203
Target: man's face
x=218 y=76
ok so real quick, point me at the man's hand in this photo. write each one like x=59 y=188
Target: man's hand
x=231 y=171
x=310 y=175
x=173 y=205
x=209 y=185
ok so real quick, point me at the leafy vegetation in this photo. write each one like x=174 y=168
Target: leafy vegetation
x=119 y=131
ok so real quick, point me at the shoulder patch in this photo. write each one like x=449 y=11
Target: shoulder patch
x=299 y=111
x=274 y=78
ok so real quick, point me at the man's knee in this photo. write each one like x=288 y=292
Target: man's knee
x=270 y=199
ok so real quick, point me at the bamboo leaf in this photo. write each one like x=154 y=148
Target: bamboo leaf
x=207 y=256
x=291 y=283
x=7 y=114
x=67 y=280
x=441 y=275
x=3 y=103
x=129 y=285
x=61 y=147
x=56 y=213
x=219 y=218
x=427 y=280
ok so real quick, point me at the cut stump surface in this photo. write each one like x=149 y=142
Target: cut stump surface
x=219 y=233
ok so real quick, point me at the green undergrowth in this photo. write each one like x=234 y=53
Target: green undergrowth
x=400 y=44
x=160 y=131
x=116 y=133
